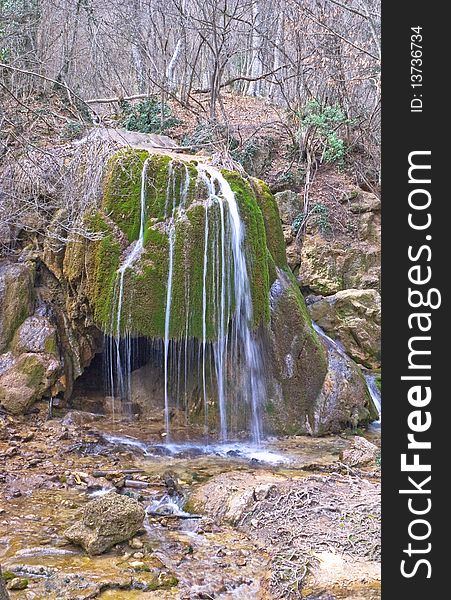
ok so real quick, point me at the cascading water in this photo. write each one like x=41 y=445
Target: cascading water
x=226 y=358
x=119 y=347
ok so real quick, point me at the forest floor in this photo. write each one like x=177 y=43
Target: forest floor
x=289 y=520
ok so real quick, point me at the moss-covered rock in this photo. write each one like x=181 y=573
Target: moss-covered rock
x=16 y=298
x=298 y=360
x=25 y=379
x=172 y=188
x=274 y=235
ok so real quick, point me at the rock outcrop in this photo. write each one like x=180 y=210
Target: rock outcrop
x=30 y=362
x=105 y=522
x=353 y=318
x=51 y=327
x=16 y=294
x=329 y=265
x=344 y=400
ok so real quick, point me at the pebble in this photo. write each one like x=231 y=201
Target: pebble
x=18 y=583
x=138 y=555
x=135 y=544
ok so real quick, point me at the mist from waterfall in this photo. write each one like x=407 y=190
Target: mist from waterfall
x=225 y=364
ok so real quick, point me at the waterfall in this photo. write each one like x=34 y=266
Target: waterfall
x=370 y=379
x=119 y=350
x=227 y=358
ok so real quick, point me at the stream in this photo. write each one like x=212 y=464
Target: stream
x=191 y=555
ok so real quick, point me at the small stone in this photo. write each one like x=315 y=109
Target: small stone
x=138 y=555
x=135 y=544
x=18 y=583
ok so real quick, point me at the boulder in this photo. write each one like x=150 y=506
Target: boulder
x=352 y=317
x=344 y=400
x=16 y=298
x=36 y=334
x=298 y=359
x=290 y=204
x=361 y=453
x=106 y=521
x=25 y=379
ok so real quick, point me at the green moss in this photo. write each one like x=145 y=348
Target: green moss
x=105 y=262
x=270 y=409
x=50 y=345
x=255 y=240
x=379 y=382
x=144 y=300
x=34 y=371
x=8 y=575
x=122 y=192
x=273 y=227
x=295 y=294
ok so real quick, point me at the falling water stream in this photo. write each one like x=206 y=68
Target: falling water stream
x=231 y=351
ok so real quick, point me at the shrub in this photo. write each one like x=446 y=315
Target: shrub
x=325 y=122
x=148 y=116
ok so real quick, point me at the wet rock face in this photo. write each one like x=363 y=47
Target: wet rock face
x=352 y=317
x=105 y=522
x=16 y=298
x=344 y=400
x=298 y=359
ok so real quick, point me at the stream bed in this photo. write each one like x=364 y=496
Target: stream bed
x=205 y=534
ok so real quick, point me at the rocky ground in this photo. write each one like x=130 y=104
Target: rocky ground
x=300 y=517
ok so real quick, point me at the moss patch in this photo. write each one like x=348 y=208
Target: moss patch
x=255 y=240
x=273 y=227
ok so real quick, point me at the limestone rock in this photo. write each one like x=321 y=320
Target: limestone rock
x=36 y=334
x=294 y=255
x=328 y=267
x=290 y=205
x=344 y=400
x=298 y=358
x=25 y=379
x=16 y=298
x=105 y=522
x=353 y=317
x=344 y=257
x=361 y=453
